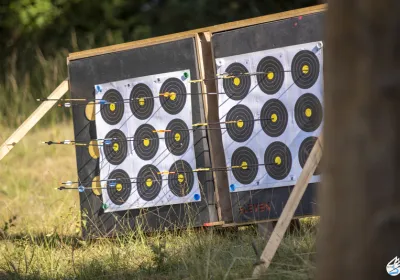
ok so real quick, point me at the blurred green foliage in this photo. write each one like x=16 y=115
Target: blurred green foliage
x=37 y=35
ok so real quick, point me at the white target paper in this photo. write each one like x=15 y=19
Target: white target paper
x=288 y=93
x=161 y=158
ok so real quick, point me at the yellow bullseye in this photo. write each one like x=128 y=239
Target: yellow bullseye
x=236 y=81
x=308 y=112
x=177 y=137
x=305 y=69
x=274 y=118
x=240 y=123
x=278 y=160
x=118 y=187
x=116 y=147
x=141 y=101
x=149 y=182
x=244 y=165
x=146 y=142
x=112 y=107
x=270 y=75
x=181 y=178
x=172 y=96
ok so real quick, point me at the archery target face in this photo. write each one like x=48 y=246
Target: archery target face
x=147 y=153
x=283 y=95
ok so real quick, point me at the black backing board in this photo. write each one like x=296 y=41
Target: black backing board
x=87 y=72
x=265 y=204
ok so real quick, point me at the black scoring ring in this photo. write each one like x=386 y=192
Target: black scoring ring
x=305 y=150
x=278 y=160
x=173 y=104
x=243 y=128
x=305 y=69
x=141 y=101
x=178 y=139
x=113 y=111
x=237 y=88
x=274 y=118
x=146 y=142
x=119 y=186
x=273 y=75
x=244 y=164
x=308 y=112
x=116 y=151
x=181 y=178
x=149 y=182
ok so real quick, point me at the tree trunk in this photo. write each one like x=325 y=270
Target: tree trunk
x=360 y=196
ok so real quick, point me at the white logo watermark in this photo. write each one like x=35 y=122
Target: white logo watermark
x=393 y=267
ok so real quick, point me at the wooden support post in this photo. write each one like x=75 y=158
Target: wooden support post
x=359 y=204
x=206 y=65
x=33 y=119
x=289 y=209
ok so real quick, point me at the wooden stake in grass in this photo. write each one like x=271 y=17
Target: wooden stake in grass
x=33 y=119
x=290 y=207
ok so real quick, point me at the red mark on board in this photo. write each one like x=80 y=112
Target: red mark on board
x=256 y=207
x=295 y=24
x=300 y=17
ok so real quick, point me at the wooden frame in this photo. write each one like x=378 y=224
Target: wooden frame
x=206 y=64
x=191 y=33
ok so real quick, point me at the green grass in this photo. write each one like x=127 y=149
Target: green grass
x=188 y=255
x=42 y=242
